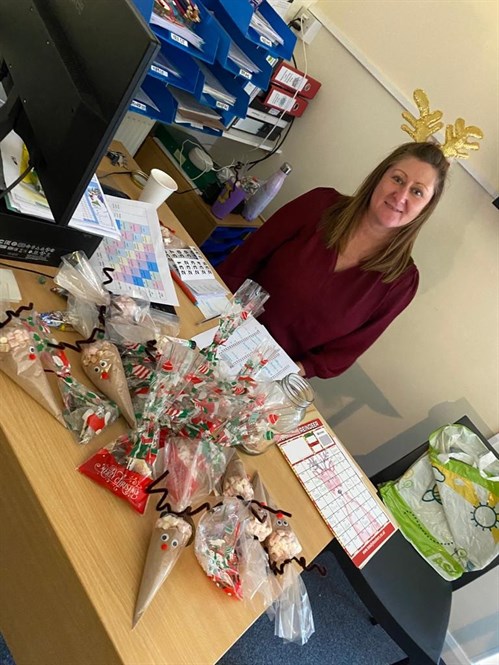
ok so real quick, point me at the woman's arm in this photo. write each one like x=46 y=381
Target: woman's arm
x=335 y=357
x=283 y=225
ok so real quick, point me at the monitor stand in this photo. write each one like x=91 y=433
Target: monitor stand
x=28 y=238
x=24 y=238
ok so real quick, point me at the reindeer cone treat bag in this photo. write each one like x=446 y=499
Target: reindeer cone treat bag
x=282 y=544
x=20 y=361
x=86 y=413
x=102 y=364
x=169 y=537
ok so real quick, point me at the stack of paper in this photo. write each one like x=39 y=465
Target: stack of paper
x=190 y=111
x=92 y=214
x=198 y=280
x=264 y=29
x=214 y=88
x=241 y=59
x=166 y=15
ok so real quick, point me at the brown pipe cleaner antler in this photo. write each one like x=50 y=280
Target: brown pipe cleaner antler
x=11 y=314
x=79 y=342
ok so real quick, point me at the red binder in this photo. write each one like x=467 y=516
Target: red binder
x=290 y=78
x=281 y=99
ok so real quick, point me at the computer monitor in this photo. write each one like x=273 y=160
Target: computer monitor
x=70 y=69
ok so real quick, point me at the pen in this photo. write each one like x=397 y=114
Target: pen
x=210 y=318
x=184 y=287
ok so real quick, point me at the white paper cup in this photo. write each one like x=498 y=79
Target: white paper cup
x=158 y=188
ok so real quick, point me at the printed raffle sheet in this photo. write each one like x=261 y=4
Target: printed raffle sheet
x=337 y=488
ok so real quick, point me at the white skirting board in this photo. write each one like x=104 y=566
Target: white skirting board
x=133 y=131
x=453 y=653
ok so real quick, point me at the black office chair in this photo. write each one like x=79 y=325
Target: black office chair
x=403 y=593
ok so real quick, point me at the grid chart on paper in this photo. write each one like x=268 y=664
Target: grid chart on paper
x=338 y=491
x=133 y=258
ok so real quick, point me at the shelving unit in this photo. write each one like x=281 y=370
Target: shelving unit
x=224 y=23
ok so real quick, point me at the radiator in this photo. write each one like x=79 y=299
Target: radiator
x=133 y=131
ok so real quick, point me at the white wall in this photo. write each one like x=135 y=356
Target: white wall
x=440 y=359
x=450 y=49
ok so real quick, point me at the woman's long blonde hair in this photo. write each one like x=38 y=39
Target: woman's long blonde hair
x=343 y=218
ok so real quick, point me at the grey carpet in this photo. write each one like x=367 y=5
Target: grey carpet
x=343 y=632
x=5 y=655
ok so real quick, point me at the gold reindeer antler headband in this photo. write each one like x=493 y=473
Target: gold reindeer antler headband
x=456 y=135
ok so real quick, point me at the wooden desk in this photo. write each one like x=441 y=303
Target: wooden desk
x=72 y=554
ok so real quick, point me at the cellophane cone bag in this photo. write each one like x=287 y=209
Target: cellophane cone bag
x=216 y=545
x=102 y=364
x=169 y=538
x=20 y=361
x=86 y=293
x=194 y=469
x=282 y=544
x=235 y=481
x=259 y=524
x=292 y=612
x=129 y=320
x=247 y=301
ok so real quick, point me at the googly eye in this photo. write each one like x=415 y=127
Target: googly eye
x=102 y=363
x=97 y=370
x=285 y=523
x=279 y=522
x=165 y=537
x=32 y=349
x=174 y=542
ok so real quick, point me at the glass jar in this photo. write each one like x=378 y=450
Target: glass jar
x=284 y=410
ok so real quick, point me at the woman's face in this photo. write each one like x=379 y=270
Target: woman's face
x=403 y=192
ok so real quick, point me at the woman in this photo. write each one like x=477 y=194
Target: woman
x=339 y=268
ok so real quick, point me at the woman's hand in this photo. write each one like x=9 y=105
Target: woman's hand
x=301 y=371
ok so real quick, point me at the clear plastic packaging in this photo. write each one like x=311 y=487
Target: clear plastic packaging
x=77 y=276
x=292 y=612
x=129 y=320
x=216 y=545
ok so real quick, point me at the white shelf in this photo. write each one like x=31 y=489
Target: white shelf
x=248 y=139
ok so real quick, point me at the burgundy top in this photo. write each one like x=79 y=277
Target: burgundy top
x=322 y=318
